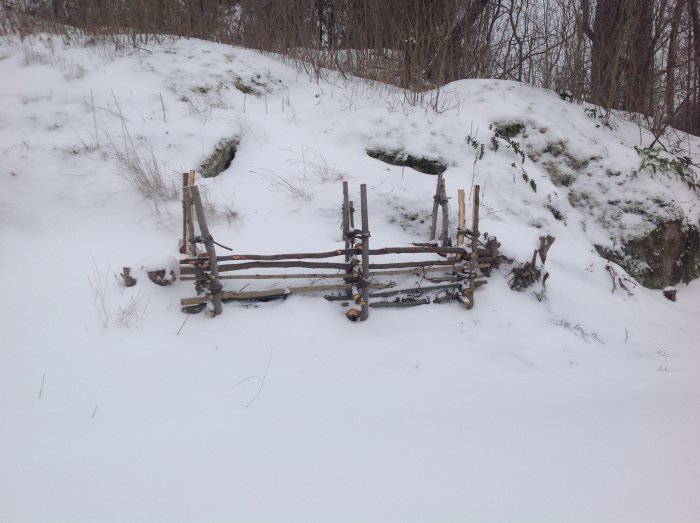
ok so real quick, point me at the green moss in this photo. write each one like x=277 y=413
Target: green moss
x=399 y=158
x=558 y=177
x=579 y=199
x=555 y=148
x=508 y=129
x=246 y=88
x=220 y=160
x=577 y=164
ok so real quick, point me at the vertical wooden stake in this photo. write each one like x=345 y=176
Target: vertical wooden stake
x=364 y=314
x=445 y=215
x=475 y=246
x=347 y=237
x=436 y=204
x=129 y=281
x=214 y=286
x=461 y=217
x=189 y=205
x=188 y=244
x=191 y=183
x=346 y=219
x=185 y=207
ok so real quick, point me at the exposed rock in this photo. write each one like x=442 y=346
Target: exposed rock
x=670 y=293
x=666 y=256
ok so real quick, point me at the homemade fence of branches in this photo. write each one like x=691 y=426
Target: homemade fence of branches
x=453 y=272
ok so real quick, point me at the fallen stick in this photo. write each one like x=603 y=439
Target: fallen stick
x=404 y=303
x=415 y=290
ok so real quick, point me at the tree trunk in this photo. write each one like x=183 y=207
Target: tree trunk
x=640 y=57
x=606 y=50
x=695 y=21
x=672 y=58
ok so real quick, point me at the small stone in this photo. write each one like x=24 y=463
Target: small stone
x=670 y=293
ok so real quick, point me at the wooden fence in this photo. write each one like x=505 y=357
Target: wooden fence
x=363 y=282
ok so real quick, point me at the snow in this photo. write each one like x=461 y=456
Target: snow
x=117 y=407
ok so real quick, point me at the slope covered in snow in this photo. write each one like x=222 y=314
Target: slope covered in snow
x=576 y=404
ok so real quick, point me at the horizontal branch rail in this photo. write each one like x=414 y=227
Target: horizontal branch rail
x=332 y=254
x=299 y=276
x=273 y=265
x=401 y=265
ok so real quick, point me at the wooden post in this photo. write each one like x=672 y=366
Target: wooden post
x=475 y=246
x=445 y=215
x=347 y=235
x=188 y=246
x=461 y=218
x=215 y=286
x=352 y=218
x=184 y=247
x=364 y=314
x=436 y=204
x=191 y=237
x=346 y=219
x=129 y=281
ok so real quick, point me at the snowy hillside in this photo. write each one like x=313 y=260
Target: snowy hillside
x=577 y=403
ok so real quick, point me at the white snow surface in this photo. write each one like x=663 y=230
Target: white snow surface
x=582 y=407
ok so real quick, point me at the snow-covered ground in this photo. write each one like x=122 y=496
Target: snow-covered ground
x=579 y=407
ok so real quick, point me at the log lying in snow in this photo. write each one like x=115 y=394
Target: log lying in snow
x=394 y=292
x=271 y=293
x=402 y=303
x=415 y=290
